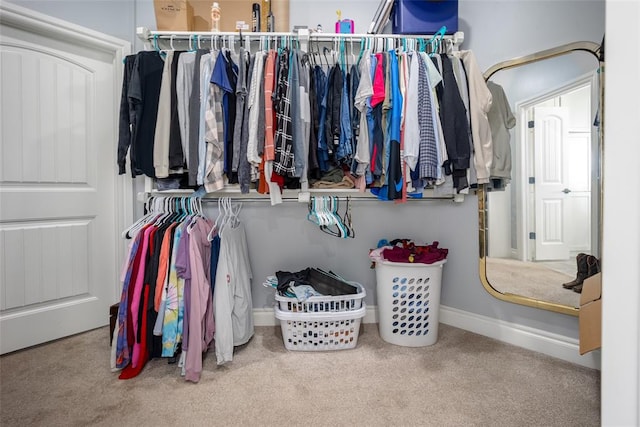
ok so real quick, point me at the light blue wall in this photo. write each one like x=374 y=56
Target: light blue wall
x=114 y=17
x=280 y=238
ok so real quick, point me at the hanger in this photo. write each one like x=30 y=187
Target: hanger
x=193 y=205
x=234 y=214
x=314 y=214
x=324 y=52
x=197 y=204
x=230 y=218
x=435 y=40
x=334 y=225
x=163 y=211
x=133 y=229
x=362 y=49
x=342 y=229
x=232 y=44
x=217 y=223
x=346 y=219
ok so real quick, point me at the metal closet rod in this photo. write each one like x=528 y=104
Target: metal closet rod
x=340 y=198
x=148 y=35
x=288 y=199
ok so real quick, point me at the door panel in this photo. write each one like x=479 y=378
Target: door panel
x=58 y=184
x=579 y=199
x=551 y=214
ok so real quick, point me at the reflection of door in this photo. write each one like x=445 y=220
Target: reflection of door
x=551 y=219
x=578 y=201
x=58 y=187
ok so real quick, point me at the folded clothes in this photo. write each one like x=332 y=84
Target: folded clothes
x=346 y=182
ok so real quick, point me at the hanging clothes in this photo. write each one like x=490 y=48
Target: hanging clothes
x=501 y=120
x=193 y=122
x=126 y=120
x=480 y=104
x=163 y=119
x=322 y=94
x=143 y=91
x=232 y=290
x=167 y=301
x=364 y=91
x=283 y=164
x=454 y=125
x=395 y=122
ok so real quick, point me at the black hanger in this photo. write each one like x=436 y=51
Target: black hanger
x=346 y=219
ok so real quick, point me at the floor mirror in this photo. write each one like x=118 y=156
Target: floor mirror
x=540 y=214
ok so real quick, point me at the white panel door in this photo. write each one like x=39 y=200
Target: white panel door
x=58 y=185
x=578 y=200
x=551 y=215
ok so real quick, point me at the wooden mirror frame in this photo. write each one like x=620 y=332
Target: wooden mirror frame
x=481 y=192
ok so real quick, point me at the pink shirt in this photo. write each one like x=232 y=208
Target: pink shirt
x=378 y=82
x=137 y=292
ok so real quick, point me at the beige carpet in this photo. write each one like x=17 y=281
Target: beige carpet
x=532 y=280
x=462 y=380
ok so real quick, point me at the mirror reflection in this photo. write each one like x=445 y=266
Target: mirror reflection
x=542 y=221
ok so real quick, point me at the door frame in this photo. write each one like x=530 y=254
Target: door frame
x=34 y=22
x=524 y=193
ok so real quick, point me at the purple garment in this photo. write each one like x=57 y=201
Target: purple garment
x=201 y=326
x=183 y=269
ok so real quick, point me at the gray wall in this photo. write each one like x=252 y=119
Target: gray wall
x=280 y=238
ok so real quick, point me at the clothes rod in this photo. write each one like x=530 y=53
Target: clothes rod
x=143 y=197
x=148 y=35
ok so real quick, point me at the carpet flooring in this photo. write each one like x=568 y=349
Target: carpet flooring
x=463 y=379
x=531 y=279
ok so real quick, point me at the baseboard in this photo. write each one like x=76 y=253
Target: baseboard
x=558 y=346
x=544 y=342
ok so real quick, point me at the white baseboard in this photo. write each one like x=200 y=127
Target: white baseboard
x=544 y=342
x=558 y=346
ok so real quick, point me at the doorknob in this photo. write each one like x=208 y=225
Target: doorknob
x=566 y=191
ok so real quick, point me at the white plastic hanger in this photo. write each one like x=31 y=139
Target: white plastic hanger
x=151 y=206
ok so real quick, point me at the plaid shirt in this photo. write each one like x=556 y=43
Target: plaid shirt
x=284 y=161
x=214 y=137
x=428 y=160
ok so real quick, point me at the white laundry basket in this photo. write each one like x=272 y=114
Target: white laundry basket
x=320 y=331
x=408 y=297
x=322 y=322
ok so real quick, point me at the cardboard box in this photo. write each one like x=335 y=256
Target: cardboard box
x=173 y=15
x=590 y=314
x=231 y=12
